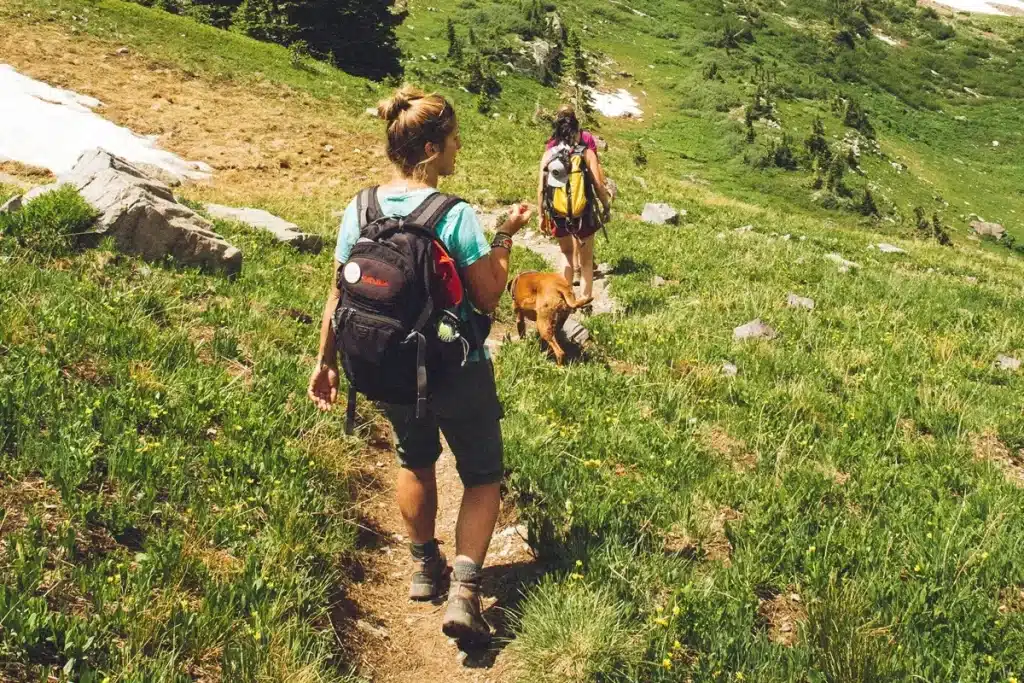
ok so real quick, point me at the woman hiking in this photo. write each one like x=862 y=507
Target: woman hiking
x=570 y=177
x=422 y=144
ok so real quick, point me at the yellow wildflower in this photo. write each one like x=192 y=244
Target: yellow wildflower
x=667 y=663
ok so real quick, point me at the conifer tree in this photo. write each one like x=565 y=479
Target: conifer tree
x=454 y=44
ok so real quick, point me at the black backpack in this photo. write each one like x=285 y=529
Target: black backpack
x=390 y=314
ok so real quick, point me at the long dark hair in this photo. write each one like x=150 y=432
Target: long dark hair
x=566 y=126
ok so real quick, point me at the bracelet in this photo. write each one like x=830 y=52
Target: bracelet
x=502 y=239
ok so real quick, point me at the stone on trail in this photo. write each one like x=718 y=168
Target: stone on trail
x=986 y=229
x=794 y=301
x=887 y=248
x=574 y=332
x=282 y=230
x=142 y=216
x=660 y=214
x=1007 y=363
x=755 y=329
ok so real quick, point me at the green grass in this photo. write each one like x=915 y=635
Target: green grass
x=170 y=506
x=865 y=460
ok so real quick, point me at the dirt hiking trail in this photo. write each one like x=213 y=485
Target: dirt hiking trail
x=401 y=640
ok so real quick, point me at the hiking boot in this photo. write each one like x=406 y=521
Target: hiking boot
x=462 y=618
x=429 y=577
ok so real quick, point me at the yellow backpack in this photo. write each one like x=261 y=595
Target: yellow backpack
x=567 y=182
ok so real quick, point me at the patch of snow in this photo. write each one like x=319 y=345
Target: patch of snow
x=982 y=6
x=50 y=127
x=615 y=104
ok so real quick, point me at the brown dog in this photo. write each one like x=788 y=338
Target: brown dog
x=547 y=299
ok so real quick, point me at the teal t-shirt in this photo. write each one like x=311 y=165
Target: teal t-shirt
x=459 y=231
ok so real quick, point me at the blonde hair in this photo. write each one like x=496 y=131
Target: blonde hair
x=414 y=119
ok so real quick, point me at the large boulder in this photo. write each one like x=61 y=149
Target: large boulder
x=660 y=214
x=281 y=230
x=985 y=229
x=144 y=219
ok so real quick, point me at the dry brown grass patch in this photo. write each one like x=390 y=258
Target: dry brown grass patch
x=34 y=175
x=732 y=449
x=781 y=615
x=20 y=500
x=989 y=448
x=622 y=367
x=242 y=129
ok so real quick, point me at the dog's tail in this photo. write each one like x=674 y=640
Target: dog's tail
x=570 y=299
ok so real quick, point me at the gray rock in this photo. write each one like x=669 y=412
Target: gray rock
x=154 y=171
x=744 y=229
x=984 y=229
x=282 y=230
x=613 y=187
x=140 y=213
x=574 y=332
x=729 y=369
x=602 y=144
x=844 y=265
x=887 y=248
x=755 y=329
x=660 y=214
x=11 y=205
x=658 y=281
x=372 y=112
x=641 y=182
x=541 y=52
x=794 y=301
x=1007 y=363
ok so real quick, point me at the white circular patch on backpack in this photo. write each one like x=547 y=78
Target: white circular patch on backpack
x=351 y=273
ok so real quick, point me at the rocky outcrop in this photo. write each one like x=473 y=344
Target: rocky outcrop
x=281 y=230
x=142 y=216
x=985 y=229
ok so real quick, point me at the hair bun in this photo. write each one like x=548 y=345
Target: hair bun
x=402 y=99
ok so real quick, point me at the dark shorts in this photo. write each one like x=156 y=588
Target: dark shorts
x=580 y=228
x=466 y=409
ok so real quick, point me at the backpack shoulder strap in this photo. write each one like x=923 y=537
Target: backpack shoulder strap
x=432 y=211
x=367 y=207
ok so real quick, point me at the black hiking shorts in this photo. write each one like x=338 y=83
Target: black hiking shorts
x=465 y=408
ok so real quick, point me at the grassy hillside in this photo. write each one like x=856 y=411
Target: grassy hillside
x=845 y=508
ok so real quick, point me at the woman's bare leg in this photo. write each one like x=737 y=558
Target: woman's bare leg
x=586 y=252
x=567 y=245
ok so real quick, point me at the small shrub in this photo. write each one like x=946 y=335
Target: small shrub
x=298 y=53
x=48 y=224
x=856 y=117
x=639 y=155
x=816 y=144
x=710 y=72
x=454 y=43
x=572 y=633
x=868 y=207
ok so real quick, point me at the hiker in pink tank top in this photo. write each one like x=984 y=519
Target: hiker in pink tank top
x=575 y=231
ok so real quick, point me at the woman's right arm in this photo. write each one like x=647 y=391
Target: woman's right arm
x=486 y=277
x=323 y=383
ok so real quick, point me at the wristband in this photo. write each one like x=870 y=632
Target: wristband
x=502 y=239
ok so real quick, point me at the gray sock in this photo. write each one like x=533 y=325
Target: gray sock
x=466 y=571
x=423 y=551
